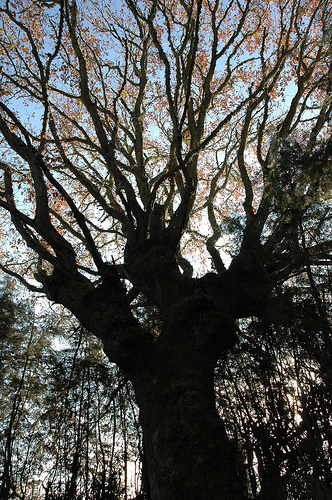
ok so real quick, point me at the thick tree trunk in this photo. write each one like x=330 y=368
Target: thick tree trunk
x=188 y=454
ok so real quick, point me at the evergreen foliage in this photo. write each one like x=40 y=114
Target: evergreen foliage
x=68 y=426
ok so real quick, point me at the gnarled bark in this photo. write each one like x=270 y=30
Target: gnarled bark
x=188 y=454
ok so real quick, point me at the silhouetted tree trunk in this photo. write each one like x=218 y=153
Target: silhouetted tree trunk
x=273 y=486
x=188 y=454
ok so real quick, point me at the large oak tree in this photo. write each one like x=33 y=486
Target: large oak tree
x=138 y=140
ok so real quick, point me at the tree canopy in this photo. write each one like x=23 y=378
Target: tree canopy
x=131 y=122
x=166 y=175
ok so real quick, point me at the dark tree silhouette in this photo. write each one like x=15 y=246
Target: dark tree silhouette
x=135 y=134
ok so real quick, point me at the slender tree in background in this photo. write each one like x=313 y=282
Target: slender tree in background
x=61 y=412
x=138 y=141
x=23 y=381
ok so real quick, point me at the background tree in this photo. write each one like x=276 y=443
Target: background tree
x=131 y=135
x=22 y=346
x=63 y=412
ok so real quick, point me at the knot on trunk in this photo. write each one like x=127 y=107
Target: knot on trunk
x=216 y=329
x=202 y=325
